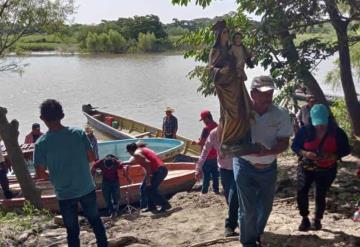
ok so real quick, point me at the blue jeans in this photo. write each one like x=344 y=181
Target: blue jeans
x=210 y=170
x=143 y=194
x=230 y=192
x=111 y=193
x=256 y=191
x=152 y=191
x=69 y=213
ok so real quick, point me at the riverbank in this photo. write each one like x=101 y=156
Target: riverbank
x=197 y=218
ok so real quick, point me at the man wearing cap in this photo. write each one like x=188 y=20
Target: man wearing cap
x=209 y=169
x=170 y=124
x=255 y=174
x=34 y=134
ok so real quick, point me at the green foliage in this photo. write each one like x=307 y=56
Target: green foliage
x=25 y=219
x=117 y=42
x=338 y=108
x=146 y=42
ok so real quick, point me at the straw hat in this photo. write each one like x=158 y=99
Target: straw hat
x=168 y=108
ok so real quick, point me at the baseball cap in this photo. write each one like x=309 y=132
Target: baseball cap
x=319 y=114
x=204 y=114
x=263 y=83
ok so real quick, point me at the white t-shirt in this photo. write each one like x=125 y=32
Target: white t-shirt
x=275 y=123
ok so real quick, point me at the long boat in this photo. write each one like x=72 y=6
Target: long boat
x=118 y=127
x=181 y=177
x=166 y=149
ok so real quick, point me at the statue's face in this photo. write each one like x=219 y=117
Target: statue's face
x=237 y=39
x=225 y=35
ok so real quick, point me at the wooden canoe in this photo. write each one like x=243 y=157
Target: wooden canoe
x=181 y=177
x=128 y=128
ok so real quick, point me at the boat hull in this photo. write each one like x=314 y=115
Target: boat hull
x=129 y=128
x=181 y=177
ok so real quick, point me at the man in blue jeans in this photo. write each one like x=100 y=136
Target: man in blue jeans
x=66 y=153
x=255 y=174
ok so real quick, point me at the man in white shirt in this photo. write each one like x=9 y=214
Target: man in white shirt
x=255 y=174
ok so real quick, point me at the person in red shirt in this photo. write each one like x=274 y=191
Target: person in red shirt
x=34 y=134
x=154 y=176
x=109 y=167
x=210 y=168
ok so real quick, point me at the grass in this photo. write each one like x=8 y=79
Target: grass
x=24 y=220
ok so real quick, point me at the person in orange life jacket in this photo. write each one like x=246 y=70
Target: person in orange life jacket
x=155 y=175
x=210 y=168
x=109 y=167
x=319 y=145
x=34 y=134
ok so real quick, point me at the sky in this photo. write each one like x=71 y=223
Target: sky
x=93 y=11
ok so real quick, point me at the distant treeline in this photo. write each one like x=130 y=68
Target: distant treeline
x=136 y=34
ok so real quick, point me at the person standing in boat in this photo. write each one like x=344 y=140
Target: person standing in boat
x=34 y=134
x=227 y=180
x=63 y=155
x=154 y=176
x=209 y=169
x=93 y=141
x=109 y=167
x=4 y=181
x=170 y=124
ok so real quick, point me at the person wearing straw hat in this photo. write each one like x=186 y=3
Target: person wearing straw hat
x=170 y=124
x=93 y=141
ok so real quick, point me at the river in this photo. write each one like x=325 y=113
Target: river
x=135 y=86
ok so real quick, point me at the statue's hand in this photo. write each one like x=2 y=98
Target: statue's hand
x=225 y=70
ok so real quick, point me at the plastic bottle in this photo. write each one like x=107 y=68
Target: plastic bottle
x=356 y=216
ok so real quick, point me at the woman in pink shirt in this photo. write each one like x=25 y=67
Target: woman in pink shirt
x=227 y=180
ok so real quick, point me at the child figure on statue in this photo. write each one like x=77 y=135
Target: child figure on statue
x=226 y=65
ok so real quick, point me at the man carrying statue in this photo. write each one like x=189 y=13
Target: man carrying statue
x=254 y=132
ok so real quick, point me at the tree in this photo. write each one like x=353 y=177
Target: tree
x=19 y=18
x=146 y=42
x=341 y=23
x=274 y=42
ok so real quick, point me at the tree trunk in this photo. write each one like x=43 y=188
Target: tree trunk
x=9 y=133
x=347 y=82
x=292 y=56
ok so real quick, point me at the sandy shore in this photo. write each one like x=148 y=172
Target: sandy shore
x=197 y=218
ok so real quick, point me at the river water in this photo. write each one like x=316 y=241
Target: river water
x=135 y=86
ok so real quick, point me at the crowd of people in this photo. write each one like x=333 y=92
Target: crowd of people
x=242 y=150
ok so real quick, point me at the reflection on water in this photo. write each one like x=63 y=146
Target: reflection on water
x=135 y=86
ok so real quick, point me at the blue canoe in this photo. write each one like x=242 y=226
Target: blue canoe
x=165 y=148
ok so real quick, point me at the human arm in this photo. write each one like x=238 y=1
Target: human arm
x=40 y=162
x=208 y=146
